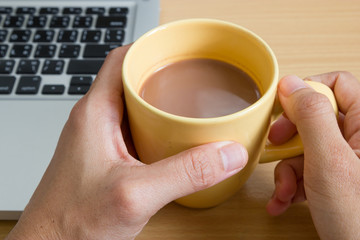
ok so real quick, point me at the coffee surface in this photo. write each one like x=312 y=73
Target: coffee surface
x=200 y=88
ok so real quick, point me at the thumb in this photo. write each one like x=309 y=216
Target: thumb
x=302 y=104
x=195 y=169
x=313 y=115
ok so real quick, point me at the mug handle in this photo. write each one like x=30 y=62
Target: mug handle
x=294 y=146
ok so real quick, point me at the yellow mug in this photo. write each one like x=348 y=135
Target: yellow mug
x=158 y=134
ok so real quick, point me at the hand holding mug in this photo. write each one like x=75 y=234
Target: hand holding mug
x=93 y=187
x=328 y=174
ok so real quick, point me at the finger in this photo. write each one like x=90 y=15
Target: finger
x=346 y=89
x=275 y=207
x=108 y=83
x=342 y=83
x=281 y=130
x=287 y=174
x=194 y=170
x=289 y=186
x=126 y=133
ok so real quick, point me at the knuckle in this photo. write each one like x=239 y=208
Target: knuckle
x=312 y=105
x=115 y=53
x=352 y=125
x=278 y=168
x=76 y=114
x=354 y=141
x=200 y=171
x=293 y=166
x=81 y=113
x=127 y=201
x=344 y=75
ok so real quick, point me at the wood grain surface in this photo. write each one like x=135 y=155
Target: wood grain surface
x=308 y=37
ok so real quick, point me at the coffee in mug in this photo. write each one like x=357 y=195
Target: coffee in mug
x=200 y=88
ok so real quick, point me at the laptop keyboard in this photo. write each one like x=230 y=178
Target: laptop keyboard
x=54 y=52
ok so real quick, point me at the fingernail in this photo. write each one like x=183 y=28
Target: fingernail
x=234 y=156
x=290 y=84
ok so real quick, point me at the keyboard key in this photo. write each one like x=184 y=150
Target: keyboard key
x=49 y=10
x=3 y=35
x=57 y=89
x=82 y=22
x=44 y=36
x=53 y=67
x=81 y=81
x=80 y=84
x=6 y=66
x=67 y=36
x=84 y=66
x=98 y=50
x=45 y=51
x=78 y=90
x=20 y=36
x=118 y=11
x=114 y=36
x=3 y=50
x=21 y=51
x=28 y=85
x=36 y=22
x=25 y=10
x=60 y=21
x=72 y=10
x=95 y=10
x=13 y=21
x=5 y=10
x=111 y=22
x=69 y=51
x=28 y=67
x=91 y=36
x=6 y=84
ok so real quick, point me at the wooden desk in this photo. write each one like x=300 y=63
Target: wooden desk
x=308 y=37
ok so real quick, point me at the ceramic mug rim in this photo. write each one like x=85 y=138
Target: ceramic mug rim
x=212 y=120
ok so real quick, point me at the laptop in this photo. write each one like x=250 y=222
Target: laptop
x=50 y=52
